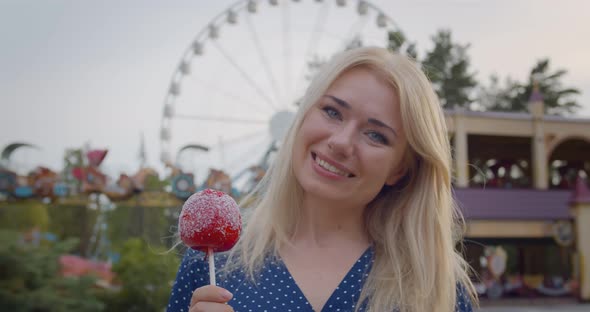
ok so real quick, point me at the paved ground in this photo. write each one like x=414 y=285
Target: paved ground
x=533 y=305
x=560 y=308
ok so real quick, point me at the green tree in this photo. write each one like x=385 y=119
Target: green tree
x=30 y=278
x=397 y=42
x=495 y=95
x=148 y=223
x=24 y=215
x=73 y=221
x=73 y=157
x=153 y=183
x=559 y=100
x=146 y=275
x=447 y=66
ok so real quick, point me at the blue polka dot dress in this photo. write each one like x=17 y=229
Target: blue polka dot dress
x=275 y=289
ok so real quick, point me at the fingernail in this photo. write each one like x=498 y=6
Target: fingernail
x=226 y=295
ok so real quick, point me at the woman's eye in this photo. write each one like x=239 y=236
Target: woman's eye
x=377 y=137
x=332 y=112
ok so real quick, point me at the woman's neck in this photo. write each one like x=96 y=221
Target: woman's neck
x=327 y=224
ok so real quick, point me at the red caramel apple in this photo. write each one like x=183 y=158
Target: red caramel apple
x=210 y=221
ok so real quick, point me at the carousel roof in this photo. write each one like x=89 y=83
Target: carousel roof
x=514 y=204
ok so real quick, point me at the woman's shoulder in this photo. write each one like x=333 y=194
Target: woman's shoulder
x=464 y=303
x=192 y=271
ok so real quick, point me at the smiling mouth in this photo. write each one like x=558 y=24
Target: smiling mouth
x=325 y=165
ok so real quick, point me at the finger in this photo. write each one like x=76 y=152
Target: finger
x=211 y=293
x=204 y=306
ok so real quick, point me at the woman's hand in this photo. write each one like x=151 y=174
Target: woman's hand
x=210 y=299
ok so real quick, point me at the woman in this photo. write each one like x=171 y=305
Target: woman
x=356 y=213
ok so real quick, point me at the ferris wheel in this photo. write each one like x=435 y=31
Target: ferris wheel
x=237 y=85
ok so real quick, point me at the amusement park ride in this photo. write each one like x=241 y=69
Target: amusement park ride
x=267 y=51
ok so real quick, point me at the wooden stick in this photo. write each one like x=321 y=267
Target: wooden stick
x=211 y=256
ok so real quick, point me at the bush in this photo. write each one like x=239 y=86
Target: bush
x=30 y=278
x=145 y=275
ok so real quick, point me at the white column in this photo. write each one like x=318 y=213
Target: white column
x=540 y=178
x=460 y=155
x=580 y=208
x=460 y=146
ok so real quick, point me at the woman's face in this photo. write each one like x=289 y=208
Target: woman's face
x=351 y=142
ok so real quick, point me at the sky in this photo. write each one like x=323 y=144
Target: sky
x=96 y=73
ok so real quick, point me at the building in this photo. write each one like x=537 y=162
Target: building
x=515 y=177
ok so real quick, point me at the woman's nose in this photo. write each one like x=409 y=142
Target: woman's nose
x=341 y=143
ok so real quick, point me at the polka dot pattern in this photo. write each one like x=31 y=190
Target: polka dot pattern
x=274 y=289
x=463 y=300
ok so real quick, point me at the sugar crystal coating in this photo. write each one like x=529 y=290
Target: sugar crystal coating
x=210 y=218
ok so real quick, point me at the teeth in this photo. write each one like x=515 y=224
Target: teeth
x=329 y=167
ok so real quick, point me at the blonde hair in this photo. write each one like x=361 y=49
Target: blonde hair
x=413 y=225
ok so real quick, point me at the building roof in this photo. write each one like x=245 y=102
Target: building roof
x=514 y=204
x=515 y=115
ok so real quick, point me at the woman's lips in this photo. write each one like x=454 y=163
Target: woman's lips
x=331 y=166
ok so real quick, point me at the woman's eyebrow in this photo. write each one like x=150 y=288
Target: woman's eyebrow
x=373 y=121
x=381 y=124
x=338 y=101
